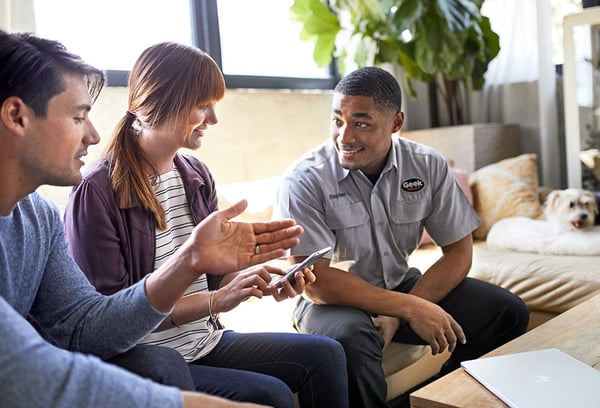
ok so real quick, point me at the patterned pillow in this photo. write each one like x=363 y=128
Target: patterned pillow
x=508 y=188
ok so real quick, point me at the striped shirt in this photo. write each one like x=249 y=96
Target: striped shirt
x=194 y=339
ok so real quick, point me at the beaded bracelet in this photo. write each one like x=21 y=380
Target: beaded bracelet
x=213 y=317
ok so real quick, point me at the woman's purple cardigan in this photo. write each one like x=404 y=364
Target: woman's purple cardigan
x=115 y=247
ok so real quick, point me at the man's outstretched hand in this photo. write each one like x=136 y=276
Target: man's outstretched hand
x=220 y=245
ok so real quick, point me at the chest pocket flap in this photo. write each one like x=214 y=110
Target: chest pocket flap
x=347 y=216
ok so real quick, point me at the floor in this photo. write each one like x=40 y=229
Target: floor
x=403 y=401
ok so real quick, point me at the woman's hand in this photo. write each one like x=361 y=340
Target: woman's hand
x=244 y=284
x=288 y=290
x=257 y=281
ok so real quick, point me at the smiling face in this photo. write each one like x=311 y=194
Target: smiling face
x=199 y=119
x=183 y=131
x=56 y=143
x=361 y=132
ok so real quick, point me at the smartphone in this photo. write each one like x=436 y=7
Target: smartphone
x=291 y=271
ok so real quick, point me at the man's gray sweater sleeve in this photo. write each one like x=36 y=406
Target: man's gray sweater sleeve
x=37 y=374
x=67 y=310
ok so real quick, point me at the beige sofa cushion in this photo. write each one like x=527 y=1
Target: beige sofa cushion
x=547 y=283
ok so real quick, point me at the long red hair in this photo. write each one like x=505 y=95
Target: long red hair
x=166 y=82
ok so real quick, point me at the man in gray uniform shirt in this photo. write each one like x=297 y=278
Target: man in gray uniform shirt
x=369 y=194
x=55 y=328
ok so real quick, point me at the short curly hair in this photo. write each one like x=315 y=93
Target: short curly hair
x=373 y=82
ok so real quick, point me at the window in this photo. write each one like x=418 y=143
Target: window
x=560 y=8
x=111 y=34
x=254 y=42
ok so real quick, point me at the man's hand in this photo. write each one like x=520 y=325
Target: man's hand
x=435 y=326
x=387 y=326
x=219 y=246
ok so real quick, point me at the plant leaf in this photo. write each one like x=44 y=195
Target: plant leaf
x=449 y=39
x=407 y=14
x=458 y=13
x=320 y=26
x=324 y=47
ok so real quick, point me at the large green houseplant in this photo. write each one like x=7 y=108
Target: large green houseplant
x=444 y=42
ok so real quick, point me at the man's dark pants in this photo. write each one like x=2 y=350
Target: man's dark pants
x=489 y=316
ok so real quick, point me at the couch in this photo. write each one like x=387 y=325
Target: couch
x=548 y=284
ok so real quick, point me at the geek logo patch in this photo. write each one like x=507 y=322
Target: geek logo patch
x=413 y=185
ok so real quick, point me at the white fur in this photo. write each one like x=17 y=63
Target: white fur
x=568 y=230
x=571 y=209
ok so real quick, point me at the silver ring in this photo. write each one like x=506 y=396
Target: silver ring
x=257 y=249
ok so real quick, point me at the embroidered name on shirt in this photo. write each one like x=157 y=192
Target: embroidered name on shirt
x=413 y=185
x=340 y=195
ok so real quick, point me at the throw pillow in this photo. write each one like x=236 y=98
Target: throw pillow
x=508 y=188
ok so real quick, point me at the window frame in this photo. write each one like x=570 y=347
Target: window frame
x=205 y=35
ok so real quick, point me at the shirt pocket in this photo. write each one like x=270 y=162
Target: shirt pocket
x=408 y=221
x=352 y=228
x=346 y=217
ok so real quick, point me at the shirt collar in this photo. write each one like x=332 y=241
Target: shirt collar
x=341 y=173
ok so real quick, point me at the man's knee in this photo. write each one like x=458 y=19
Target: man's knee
x=353 y=328
x=519 y=314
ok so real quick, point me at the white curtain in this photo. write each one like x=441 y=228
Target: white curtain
x=5 y=15
x=17 y=15
x=516 y=23
x=521 y=81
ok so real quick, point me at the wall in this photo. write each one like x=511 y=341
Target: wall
x=258 y=134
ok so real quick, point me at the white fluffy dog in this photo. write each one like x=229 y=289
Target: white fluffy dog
x=568 y=229
x=571 y=209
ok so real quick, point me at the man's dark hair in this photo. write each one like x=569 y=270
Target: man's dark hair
x=373 y=82
x=32 y=68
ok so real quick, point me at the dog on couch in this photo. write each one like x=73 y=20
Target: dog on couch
x=567 y=230
x=571 y=209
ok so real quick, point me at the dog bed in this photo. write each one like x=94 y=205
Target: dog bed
x=523 y=234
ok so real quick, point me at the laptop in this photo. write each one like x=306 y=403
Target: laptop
x=545 y=378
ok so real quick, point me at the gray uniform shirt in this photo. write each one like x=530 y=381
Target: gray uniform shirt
x=374 y=228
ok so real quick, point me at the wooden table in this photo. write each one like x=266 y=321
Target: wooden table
x=576 y=332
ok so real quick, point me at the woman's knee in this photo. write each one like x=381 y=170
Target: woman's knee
x=161 y=364
x=242 y=385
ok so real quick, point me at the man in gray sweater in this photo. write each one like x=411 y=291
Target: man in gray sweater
x=55 y=328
